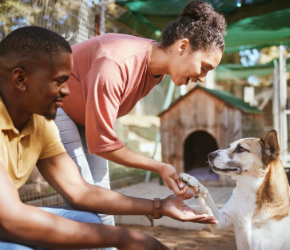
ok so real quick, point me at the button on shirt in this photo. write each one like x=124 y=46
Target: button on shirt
x=19 y=152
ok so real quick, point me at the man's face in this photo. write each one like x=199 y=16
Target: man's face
x=47 y=84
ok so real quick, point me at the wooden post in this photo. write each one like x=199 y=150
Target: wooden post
x=97 y=25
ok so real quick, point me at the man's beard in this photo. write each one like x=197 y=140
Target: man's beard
x=49 y=116
x=48 y=113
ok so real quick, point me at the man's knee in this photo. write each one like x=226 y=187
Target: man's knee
x=88 y=217
x=14 y=246
x=76 y=215
x=82 y=216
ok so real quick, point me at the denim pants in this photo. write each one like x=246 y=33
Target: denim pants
x=93 y=168
x=65 y=212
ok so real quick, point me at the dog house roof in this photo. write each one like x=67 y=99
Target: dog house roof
x=224 y=96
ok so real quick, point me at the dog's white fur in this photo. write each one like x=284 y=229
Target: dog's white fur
x=258 y=210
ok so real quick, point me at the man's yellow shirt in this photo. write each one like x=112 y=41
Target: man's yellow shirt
x=19 y=152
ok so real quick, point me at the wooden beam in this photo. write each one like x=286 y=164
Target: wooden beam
x=256 y=9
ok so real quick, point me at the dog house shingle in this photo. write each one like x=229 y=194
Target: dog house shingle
x=225 y=96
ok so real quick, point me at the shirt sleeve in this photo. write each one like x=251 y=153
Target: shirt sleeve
x=52 y=144
x=104 y=85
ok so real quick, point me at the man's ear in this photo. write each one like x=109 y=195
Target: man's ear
x=19 y=79
x=271 y=145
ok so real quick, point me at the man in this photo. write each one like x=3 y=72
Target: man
x=35 y=64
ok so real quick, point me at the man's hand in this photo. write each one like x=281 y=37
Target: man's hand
x=169 y=175
x=175 y=208
x=133 y=240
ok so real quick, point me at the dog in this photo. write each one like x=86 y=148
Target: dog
x=258 y=210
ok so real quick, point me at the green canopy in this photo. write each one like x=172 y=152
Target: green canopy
x=173 y=7
x=260 y=31
x=258 y=23
x=224 y=71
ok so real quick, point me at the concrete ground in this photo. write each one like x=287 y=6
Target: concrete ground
x=153 y=190
x=179 y=239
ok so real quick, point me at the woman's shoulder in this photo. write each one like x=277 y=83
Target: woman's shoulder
x=117 y=37
x=111 y=48
x=120 y=47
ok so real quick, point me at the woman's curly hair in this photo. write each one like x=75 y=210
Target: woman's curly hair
x=200 y=24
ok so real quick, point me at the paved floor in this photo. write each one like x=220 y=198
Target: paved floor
x=153 y=190
x=179 y=239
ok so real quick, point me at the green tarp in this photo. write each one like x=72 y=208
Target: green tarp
x=261 y=31
x=173 y=7
x=226 y=71
x=150 y=17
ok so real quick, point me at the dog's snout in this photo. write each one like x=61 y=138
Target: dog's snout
x=212 y=155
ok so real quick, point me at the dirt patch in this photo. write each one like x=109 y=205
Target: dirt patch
x=178 y=239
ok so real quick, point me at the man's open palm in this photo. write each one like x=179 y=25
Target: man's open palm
x=175 y=208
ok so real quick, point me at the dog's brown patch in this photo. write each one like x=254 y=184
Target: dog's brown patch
x=252 y=142
x=272 y=198
x=256 y=171
x=255 y=147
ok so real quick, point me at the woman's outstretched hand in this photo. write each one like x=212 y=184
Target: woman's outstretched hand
x=129 y=158
x=175 y=208
x=169 y=175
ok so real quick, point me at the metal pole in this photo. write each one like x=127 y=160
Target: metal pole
x=276 y=97
x=282 y=103
x=285 y=112
x=209 y=80
x=169 y=95
x=102 y=23
x=138 y=108
x=104 y=3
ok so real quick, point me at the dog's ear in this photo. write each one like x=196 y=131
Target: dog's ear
x=271 y=145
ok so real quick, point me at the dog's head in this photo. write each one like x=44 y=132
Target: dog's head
x=258 y=158
x=249 y=156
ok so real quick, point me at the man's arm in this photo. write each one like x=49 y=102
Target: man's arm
x=62 y=174
x=126 y=157
x=30 y=225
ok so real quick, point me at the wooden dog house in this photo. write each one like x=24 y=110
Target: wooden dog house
x=203 y=121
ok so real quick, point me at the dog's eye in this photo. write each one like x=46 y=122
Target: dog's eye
x=240 y=150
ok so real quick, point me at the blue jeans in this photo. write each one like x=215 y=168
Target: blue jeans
x=65 y=212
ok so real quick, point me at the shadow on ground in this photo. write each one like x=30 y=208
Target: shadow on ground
x=178 y=239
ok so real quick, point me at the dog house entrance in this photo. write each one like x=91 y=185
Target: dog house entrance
x=196 y=148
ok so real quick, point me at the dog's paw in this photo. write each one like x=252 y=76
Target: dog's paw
x=189 y=180
x=197 y=188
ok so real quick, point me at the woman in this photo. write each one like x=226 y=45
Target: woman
x=113 y=72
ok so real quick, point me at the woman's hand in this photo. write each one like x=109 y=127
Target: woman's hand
x=129 y=158
x=175 y=208
x=169 y=175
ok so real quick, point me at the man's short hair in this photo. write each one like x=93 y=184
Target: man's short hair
x=33 y=41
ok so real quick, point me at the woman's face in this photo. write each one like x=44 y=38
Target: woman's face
x=187 y=65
